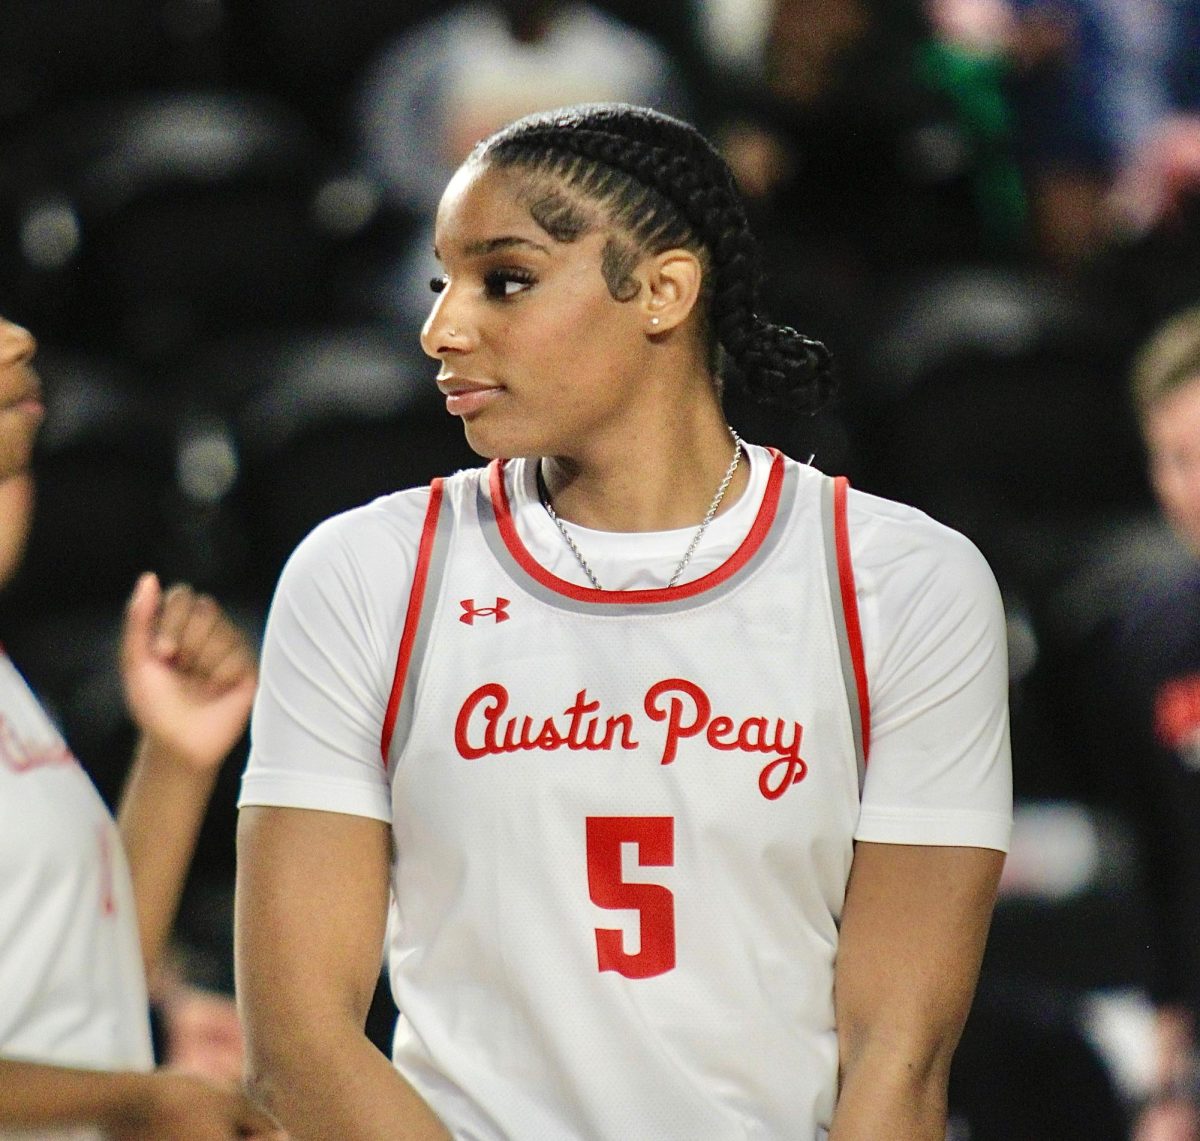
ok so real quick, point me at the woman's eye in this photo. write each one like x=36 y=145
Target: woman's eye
x=437 y=284
x=502 y=283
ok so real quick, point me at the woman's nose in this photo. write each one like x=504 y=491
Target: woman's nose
x=442 y=332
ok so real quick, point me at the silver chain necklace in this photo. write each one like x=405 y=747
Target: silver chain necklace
x=723 y=487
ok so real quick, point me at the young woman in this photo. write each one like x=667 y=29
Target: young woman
x=685 y=768
x=86 y=903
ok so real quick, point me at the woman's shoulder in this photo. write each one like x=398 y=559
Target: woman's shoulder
x=885 y=531
x=385 y=531
x=891 y=541
x=879 y=522
x=356 y=565
x=391 y=521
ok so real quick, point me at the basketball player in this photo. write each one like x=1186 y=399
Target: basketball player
x=687 y=770
x=86 y=904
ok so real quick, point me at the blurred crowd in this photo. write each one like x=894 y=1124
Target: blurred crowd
x=216 y=216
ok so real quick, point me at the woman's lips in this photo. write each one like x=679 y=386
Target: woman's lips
x=468 y=403
x=465 y=398
x=30 y=406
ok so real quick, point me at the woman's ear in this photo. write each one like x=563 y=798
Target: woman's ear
x=670 y=289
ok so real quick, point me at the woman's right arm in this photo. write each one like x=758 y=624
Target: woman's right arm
x=311 y=910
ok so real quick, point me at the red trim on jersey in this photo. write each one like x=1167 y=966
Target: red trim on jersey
x=415 y=600
x=735 y=562
x=841 y=532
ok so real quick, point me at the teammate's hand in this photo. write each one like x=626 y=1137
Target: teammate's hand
x=189 y=673
x=171 y=1106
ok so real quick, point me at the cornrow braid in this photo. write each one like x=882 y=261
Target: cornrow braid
x=665 y=186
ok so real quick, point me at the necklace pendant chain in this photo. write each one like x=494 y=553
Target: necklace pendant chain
x=713 y=508
x=587 y=570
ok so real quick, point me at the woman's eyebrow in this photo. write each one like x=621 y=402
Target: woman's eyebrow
x=491 y=245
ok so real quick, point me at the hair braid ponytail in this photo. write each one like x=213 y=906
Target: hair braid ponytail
x=689 y=183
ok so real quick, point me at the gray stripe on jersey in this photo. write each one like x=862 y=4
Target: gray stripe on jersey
x=828 y=526
x=433 y=586
x=491 y=531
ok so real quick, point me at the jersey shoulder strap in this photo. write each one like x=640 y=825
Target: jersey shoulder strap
x=427 y=575
x=845 y=615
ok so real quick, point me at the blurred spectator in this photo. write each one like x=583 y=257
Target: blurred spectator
x=456 y=77
x=1153 y=685
x=196 y=1021
x=1104 y=94
x=858 y=161
x=1163 y=173
x=862 y=165
x=861 y=169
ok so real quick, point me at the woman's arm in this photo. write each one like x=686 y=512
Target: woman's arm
x=189 y=676
x=311 y=911
x=912 y=937
x=161 y=1106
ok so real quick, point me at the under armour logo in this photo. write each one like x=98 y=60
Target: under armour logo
x=471 y=611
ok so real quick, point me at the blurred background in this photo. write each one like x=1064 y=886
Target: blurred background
x=216 y=216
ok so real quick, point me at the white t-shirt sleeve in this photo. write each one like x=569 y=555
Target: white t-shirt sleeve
x=934 y=641
x=328 y=660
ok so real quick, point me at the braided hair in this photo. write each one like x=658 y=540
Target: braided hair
x=663 y=186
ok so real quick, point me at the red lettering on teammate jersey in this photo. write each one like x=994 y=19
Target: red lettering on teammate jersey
x=22 y=755
x=484 y=727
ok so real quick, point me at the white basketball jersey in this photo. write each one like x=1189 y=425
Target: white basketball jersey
x=623 y=826
x=72 y=990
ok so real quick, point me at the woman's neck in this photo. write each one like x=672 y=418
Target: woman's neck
x=657 y=482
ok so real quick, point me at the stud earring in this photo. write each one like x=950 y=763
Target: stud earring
x=653 y=320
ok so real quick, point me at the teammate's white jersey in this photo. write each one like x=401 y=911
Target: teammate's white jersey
x=624 y=820
x=72 y=990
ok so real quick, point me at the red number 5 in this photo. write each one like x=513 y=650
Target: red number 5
x=655 y=840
